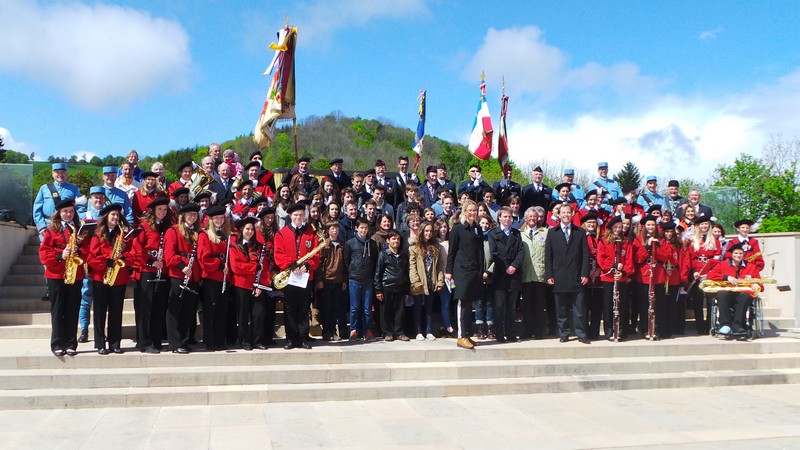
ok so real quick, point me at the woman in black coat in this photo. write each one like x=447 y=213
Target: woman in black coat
x=465 y=263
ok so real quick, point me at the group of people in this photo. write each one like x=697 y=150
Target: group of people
x=376 y=254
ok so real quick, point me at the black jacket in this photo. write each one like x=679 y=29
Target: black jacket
x=465 y=261
x=391 y=272
x=532 y=198
x=360 y=256
x=506 y=251
x=566 y=262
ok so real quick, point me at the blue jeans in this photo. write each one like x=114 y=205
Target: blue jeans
x=484 y=308
x=86 y=303
x=444 y=297
x=360 y=306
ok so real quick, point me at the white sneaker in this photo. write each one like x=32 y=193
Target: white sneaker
x=430 y=337
x=420 y=337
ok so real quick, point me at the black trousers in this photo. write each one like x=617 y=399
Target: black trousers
x=575 y=300
x=295 y=313
x=552 y=322
x=181 y=310
x=107 y=304
x=392 y=313
x=643 y=306
x=594 y=310
x=251 y=317
x=464 y=313
x=534 y=320
x=505 y=313
x=622 y=308
x=65 y=305
x=670 y=312
x=215 y=313
x=137 y=311
x=739 y=301
x=152 y=309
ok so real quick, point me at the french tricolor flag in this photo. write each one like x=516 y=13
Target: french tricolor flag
x=480 y=141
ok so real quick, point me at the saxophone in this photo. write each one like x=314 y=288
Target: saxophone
x=74 y=261
x=281 y=279
x=116 y=254
x=750 y=285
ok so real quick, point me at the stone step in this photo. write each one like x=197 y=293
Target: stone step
x=183 y=376
x=30 y=249
x=25 y=280
x=43 y=318
x=29 y=259
x=370 y=390
x=35 y=354
x=27 y=269
x=26 y=291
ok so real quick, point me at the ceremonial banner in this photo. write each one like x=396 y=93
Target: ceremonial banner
x=502 y=141
x=419 y=138
x=480 y=142
x=280 y=102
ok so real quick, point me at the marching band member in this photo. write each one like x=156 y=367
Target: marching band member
x=630 y=194
x=266 y=229
x=649 y=264
x=263 y=182
x=564 y=195
x=180 y=252
x=752 y=250
x=608 y=190
x=109 y=249
x=247 y=259
x=615 y=247
x=213 y=255
x=703 y=251
x=180 y=198
x=115 y=194
x=576 y=194
x=650 y=196
x=185 y=172
x=293 y=242
x=673 y=201
x=594 y=289
x=591 y=205
x=734 y=270
x=50 y=194
x=65 y=299
x=668 y=315
x=97 y=200
x=245 y=200
x=146 y=193
x=149 y=248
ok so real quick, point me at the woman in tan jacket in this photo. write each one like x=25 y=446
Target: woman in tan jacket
x=426 y=276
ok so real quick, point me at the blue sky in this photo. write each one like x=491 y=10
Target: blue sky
x=659 y=83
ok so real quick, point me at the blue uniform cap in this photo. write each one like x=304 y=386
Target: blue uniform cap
x=651 y=178
x=601 y=165
x=569 y=171
x=59 y=166
x=109 y=169
x=97 y=190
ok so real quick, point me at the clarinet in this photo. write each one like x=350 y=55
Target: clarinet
x=225 y=265
x=159 y=258
x=185 y=286
x=256 y=284
x=651 y=306
x=617 y=251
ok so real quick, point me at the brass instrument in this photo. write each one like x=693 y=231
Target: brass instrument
x=281 y=280
x=200 y=183
x=751 y=285
x=116 y=255
x=651 y=294
x=73 y=261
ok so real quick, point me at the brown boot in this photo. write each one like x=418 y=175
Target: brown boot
x=465 y=343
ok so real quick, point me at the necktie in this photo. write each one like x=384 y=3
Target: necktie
x=566 y=233
x=530 y=233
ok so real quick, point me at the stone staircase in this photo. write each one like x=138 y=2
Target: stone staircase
x=32 y=378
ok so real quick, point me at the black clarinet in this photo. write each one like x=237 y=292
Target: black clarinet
x=256 y=284
x=159 y=258
x=185 y=286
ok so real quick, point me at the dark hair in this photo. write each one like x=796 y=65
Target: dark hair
x=392 y=233
x=362 y=220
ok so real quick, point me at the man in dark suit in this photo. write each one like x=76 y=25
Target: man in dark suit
x=441 y=178
x=390 y=184
x=338 y=175
x=536 y=193
x=505 y=246
x=506 y=187
x=222 y=187
x=427 y=192
x=566 y=268
x=475 y=186
x=403 y=178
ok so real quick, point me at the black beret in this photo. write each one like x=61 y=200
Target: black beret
x=112 y=207
x=259 y=200
x=184 y=165
x=736 y=246
x=252 y=164
x=65 y=204
x=614 y=220
x=668 y=225
x=369 y=172
x=158 y=202
x=255 y=153
x=673 y=183
x=589 y=193
x=442 y=166
x=337 y=161
x=245 y=183
x=563 y=185
x=653 y=208
x=149 y=174
x=265 y=211
x=241 y=223
x=630 y=188
x=649 y=218
x=619 y=201
x=588 y=217
x=180 y=191
x=739 y=223
x=190 y=207
x=202 y=195
x=304 y=159
x=701 y=219
x=215 y=211
x=295 y=207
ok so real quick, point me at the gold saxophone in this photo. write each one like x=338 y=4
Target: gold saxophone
x=111 y=273
x=743 y=285
x=74 y=261
x=281 y=279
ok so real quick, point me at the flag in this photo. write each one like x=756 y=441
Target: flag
x=480 y=141
x=419 y=138
x=502 y=141
x=280 y=102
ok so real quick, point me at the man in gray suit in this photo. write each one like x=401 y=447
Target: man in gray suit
x=567 y=271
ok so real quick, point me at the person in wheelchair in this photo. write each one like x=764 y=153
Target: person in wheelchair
x=738 y=293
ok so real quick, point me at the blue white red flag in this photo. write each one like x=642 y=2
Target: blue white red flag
x=419 y=138
x=480 y=141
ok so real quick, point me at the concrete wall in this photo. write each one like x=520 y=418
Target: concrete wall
x=782 y=250
x=12 y=239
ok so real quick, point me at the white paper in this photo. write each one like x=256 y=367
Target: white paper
x=300 y=281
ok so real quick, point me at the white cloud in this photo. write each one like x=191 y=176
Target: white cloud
x=711 y=34
x=319 y=21
x=98 y=55
x=9 y=143
x=532 y=66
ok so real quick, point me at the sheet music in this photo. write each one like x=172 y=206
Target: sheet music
x=300 y=281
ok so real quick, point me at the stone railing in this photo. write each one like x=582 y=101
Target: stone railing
x=13 y=238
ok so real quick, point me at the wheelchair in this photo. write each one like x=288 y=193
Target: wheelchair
x=754 y=326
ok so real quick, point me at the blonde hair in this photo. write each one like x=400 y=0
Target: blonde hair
x=463 y=217
x=211 y=230
x=697 y=239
